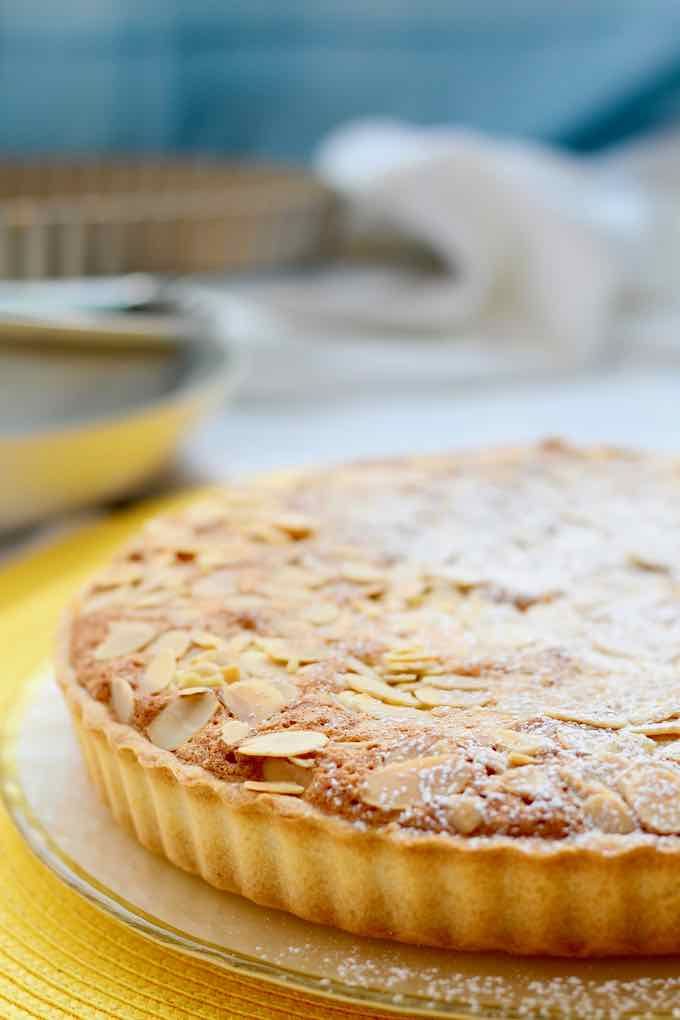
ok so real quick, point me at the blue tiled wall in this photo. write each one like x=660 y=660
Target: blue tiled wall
x=269 y=77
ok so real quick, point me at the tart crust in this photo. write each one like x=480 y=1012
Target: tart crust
x=528 y=897
x=595 y=895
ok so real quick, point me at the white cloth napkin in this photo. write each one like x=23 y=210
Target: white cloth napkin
x=527 y=237
x=550 y=263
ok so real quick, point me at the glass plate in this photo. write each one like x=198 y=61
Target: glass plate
x=46 y=789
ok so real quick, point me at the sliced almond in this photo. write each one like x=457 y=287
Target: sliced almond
x=125 y=637
x=522 y=743
x=361 y=573
x=277 y=649
x=152 y=600
x=527 y=781
x=287 y=789
x=118 y=575
x=466 y=811
x=256 y=664
x=325 y=612
x=200 y=678
x=216 y=584
x=296 y=526
x=182 y=718
x=454 y=682
x=670 y=750
x=204 y=639
x=515 y=759
x=378 y=709
x=669 y=728
x=283 y=770
x=402 y=784
x=366 y=684
x=608 y=812
x=253 y=701
x=356 y=665
x=283 y=743
x=176 y=641
x=653 y=792
x=304 y=763
x=233 y=731
x=160 y=672
x=122 y=699
x=281 y=651
x=432 y=697
x=600 y=720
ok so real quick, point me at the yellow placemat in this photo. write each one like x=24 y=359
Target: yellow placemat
x=60 y=956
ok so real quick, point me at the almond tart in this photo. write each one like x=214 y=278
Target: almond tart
x=432 y=699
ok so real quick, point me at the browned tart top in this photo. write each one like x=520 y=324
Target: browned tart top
x=480 y=644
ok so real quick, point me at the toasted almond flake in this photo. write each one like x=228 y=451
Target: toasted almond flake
x=204 y=639
x=125 y=637
x=151 y=600
x=254 y=663
x=603 y=720
x=433 y=697
x=206 y=515
x=670 y=750
x=238 y=644
x=253 y=701
x=104 y=600
x=283 y=770
x=454 y=682
x=176 y=641
x=296 y=526
x=233 y=731
x=280 y=651
x=325 y=612
x=246 y=602
x=522 y=743
x=515 y=759
x=466 y=811
x=361 y=573
x=609 y=813
x=277 y=649
x=122 y=699
x=378 y=709
x=377 y=688
x=200 y=678
x=400 y=678
x=408 y=655
x=159 y=673
x=283 y=743
x=526 y=781
x=285 y=686
x=407 y=583
x=653 y=792
x=286 y=789
x=118 y=575
x=216 y=584
x=356 y=665
x=182 y=718
x=304 y=763
x=230 y=674
x=399 y=785
x=669 y=728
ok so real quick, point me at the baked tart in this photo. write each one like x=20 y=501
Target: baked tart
x=433 y=699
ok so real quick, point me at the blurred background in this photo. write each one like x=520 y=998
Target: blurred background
x=240 y=235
